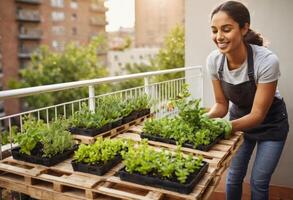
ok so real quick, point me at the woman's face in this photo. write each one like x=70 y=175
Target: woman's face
x=226 y=33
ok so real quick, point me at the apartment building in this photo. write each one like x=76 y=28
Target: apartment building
x=27 y=24
x=154 y=19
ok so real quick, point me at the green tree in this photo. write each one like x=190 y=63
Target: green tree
x=73 y=64
x=171 y=55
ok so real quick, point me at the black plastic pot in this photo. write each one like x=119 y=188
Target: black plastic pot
x=97 y=169
x=116 y=123
x=132 y=116
x=90 y=131
x=37 y=159
x=188 y=145
x=144 y=112
x=185 y=188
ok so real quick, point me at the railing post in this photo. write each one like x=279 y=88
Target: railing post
x=92 y=98
x=146 y=85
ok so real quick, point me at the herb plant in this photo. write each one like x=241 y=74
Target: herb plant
x=101 y=151
x=145 y=160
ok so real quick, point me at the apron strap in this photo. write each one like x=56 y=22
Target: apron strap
x=250 y=64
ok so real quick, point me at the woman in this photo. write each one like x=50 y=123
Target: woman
x=245 y=73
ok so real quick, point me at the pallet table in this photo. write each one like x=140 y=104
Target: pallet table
x=61 y=182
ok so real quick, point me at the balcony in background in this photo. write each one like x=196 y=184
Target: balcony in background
x=29 y=1
x=28 y=15
x=30 y=34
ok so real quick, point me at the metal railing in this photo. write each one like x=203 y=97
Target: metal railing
x=159 y=94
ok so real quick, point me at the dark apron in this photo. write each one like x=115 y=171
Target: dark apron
x=275 y=125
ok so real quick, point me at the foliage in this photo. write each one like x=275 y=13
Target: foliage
x=191 y=126
x=86 y=119
x=145 y=160
x=172 y=54
x=6 y=135
x=101 y=151
x=110 y=107
x=54 y=138
x=75 y=63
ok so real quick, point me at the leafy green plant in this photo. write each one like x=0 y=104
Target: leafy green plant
x=54 y=137
x=84 y=118
x=145 y=160
x=6 y=135
x=101 y=151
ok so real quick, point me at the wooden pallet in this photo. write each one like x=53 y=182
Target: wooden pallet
x=111 y=133
x=61 y=182
x=217 y=156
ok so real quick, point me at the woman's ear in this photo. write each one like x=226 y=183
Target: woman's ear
x=245 y=29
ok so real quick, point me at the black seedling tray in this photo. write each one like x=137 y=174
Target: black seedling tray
x=185 y=188
x=16 y=154
x=132 y=116
x=97 y=169
x=90 y=131
x=188 y=145
x=116 y=123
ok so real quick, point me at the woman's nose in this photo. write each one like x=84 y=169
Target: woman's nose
x=220 y=36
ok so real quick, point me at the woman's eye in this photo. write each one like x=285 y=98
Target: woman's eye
x=214 y=31
x=226 y=30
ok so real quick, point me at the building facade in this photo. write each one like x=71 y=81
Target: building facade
x=27 y=24
x=154 y=20
x=117 y=60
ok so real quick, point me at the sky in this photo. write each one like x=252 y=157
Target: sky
x=120 y=14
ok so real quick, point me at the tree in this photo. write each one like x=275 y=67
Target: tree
x=172 y=54
x=73 y=64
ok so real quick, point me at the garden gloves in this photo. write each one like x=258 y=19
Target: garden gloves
x=226 y=125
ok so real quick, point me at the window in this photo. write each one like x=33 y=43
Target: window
x=73 y=4
x=74 y=31
x=116 y=58
x=58 y=30
x=58 y=45
x=58 y=16
x=57 y=3
x=74 y=17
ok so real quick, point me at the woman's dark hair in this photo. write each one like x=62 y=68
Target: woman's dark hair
x=240 y=14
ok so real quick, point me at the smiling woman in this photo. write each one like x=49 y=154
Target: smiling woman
x=245 y=73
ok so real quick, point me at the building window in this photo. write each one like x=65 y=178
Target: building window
x=73 y=4
x=116 y=58
x=57 y=3
x=58 y=30
x=58 y=45
x=74 y=17
x=58 y=16
x=74 y=31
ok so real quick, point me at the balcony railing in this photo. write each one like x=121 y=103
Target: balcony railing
x=159 y=93
x=26 y=52
x=28 y=15
x=98 y=8
x=98 y=21
x=30 y=1
x=30 y=34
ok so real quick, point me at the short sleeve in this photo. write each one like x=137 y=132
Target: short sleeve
x=269 y=69
x=211 y=67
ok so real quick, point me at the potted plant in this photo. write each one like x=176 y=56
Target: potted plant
x=176 y=172
x=85 y=122
x=142 y=104
x=111 y=108
x=100 y=157
x=43 y=144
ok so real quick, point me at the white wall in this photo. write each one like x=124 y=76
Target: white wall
x=274 y=19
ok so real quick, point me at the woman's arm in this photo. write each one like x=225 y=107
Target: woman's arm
x=262 y=102
x=220 y=108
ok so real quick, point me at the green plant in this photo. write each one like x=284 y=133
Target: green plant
x=101 y=151
x=5 y=134
x=54 y=138
x=145 y=160
x=84 y=118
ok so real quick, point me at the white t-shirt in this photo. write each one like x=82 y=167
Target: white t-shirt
x=266 y=67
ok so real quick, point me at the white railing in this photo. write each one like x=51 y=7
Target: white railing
x=159 y=93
